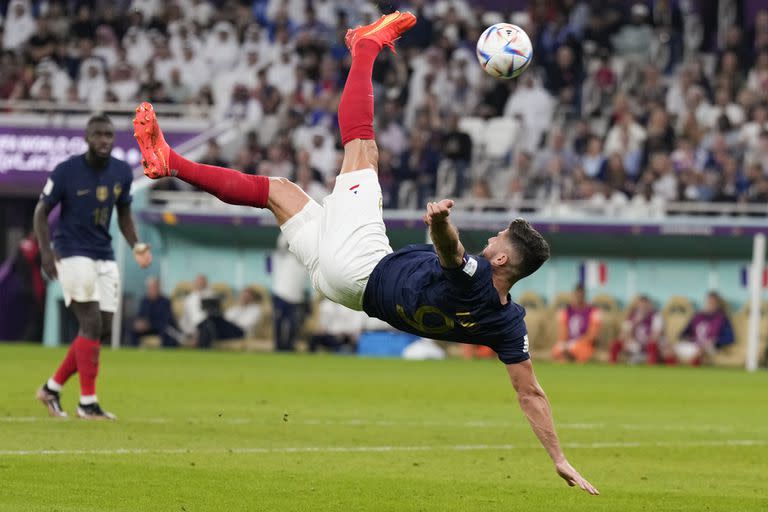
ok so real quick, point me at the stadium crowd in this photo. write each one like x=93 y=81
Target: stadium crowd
x=624 y=104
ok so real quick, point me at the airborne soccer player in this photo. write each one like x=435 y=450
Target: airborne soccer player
x=88 y=187
x=436 y=291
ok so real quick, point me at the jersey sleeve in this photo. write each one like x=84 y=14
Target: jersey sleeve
x=53 y=190
x=125 y=195
x=473 y=270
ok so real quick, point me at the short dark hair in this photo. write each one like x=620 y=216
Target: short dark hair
x=531 y=246
x=98 y=118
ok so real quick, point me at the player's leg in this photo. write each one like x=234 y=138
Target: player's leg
x=284 y=198
x=353 y=232
x=356 y=105
x=78 y=277
x=107 y=293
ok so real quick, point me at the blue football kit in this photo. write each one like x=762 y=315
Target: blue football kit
x=411 y=291
x=87 y=196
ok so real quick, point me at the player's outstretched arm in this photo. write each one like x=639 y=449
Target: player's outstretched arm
x=444 y=234
x=534 y=403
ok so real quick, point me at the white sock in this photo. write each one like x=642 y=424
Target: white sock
x=88 y=399
x=53 y=385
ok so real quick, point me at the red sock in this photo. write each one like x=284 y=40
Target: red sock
x=87 y=355
x=615 y=350
x=653 y=352
x=229 y=185
x=68 y=366
x=356 y=105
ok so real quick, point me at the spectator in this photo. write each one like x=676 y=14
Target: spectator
x=708 y=331
x=457 y=149
x=19 y=25
x=593 y=161
x=640 y=335
x=43 y=43
x=578 y=325
x=339 y=328
x=246 y=314
x=155 y=317
x=193 y=306
x=289 y=283
x=534 y=107
x=212 y=155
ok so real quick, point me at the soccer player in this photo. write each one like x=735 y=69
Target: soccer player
x=87 y=186
x=439 y=291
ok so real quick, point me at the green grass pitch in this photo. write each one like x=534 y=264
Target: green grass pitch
x=228 y=432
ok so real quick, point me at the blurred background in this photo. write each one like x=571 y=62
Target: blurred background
x=637 y=142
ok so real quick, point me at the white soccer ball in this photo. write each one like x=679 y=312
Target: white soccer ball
x=504 y=50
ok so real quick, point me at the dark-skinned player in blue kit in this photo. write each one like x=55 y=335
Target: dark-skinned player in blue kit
x=88 y=187
x=436 y=291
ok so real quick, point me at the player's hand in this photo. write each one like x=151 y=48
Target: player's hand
x=48 y=262
x=570 y=475
x=143 y=258
x=438 y=212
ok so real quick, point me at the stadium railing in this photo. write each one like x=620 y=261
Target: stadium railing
x=191 y=200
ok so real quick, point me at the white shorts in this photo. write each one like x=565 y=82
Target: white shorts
x=87 y=280
x=342 y=241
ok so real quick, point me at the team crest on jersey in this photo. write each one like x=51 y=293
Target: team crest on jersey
x=116 y=190
x=102 y=193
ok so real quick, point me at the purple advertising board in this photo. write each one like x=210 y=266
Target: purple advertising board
x=27 y=155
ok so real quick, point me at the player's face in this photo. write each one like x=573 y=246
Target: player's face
x=494 y=244
x=499 y=250
x=100 y=139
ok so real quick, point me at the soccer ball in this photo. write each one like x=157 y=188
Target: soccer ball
x=504 y=50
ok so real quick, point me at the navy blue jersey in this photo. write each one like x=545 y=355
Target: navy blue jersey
x=411 y=291
x=87 y=196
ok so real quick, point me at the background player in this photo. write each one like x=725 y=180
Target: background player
x=436 y=291
x=87 y=187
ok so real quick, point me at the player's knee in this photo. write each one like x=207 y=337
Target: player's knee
x=90 y=326
x=360 y=154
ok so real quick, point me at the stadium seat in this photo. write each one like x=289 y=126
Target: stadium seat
x=611 y=317
x=676 y=314
x=500 y=137
x=537 y=316
x=264 y=299
x=224 y=292
x=475 y=128
x=150 y=341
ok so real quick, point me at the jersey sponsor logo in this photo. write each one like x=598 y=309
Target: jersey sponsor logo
x=465 y=319
x=525 y=344
x=470 y=267
x=417 y=322
x=117 y=190
x=83 y=192
x=102 y=193
x=48 y=188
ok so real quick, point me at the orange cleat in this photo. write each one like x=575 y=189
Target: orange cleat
x=385 y=31
x=154 y=150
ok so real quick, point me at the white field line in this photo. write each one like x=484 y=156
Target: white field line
x=379 y=449
x=426 y=423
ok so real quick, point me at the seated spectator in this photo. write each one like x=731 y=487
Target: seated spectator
x=214 y=326
x=707 y=332
x=339 y=328
x=640 y=334
x=155 y=317
x=246 y=314
x=577 y=328
x=193 y=306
